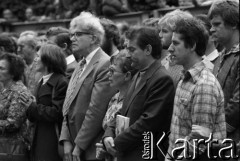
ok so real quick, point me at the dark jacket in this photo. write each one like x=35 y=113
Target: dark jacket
x=228 y=77
x=45 y=114
x=149 y=108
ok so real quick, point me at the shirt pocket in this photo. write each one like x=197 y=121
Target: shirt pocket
x=184 y=109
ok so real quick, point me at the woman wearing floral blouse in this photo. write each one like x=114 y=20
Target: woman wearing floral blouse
x=13 y=128
x=120 y=75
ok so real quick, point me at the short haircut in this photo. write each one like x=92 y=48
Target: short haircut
x=146 y=36
x=151 y=22
x=53 y=58
x=8 y=43
x=28 y=32
x=89 y=23
x=30 y=40
x=172 y=17
x=111 y=31
x=53 y=31
x=124 y=62
x=63 y=38
x=206 y=22
x=228 y=10
x=16 y=65
x=193 y=33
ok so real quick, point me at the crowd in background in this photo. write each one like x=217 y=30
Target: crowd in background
x=44 y=10
x=62 y=90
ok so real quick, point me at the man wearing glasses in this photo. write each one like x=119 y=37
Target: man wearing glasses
x=88 y=93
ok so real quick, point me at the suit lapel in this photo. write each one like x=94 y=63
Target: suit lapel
x=84 y=74
x=225 y=69
x=147 y=75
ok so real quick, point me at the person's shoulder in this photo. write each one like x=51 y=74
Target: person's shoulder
x=208 y=80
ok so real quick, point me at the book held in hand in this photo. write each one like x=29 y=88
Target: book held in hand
x=122 y=123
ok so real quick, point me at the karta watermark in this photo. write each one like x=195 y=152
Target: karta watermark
x=227 y=148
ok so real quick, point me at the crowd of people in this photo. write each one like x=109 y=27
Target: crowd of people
x=45 y=10
x=63 y=92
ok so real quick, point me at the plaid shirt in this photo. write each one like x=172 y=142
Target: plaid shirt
x=199 y=101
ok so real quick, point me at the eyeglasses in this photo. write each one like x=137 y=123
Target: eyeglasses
x=78 y=34
x=112 y=71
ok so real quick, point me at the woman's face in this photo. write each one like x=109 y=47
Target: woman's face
x=5 y=76
x=116 y=76
x=39 y=67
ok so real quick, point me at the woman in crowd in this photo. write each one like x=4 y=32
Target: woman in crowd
x=120 y=76
x=46 y=112
x=14 y=141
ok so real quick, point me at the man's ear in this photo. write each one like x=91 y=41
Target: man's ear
x=64 y=46
x=2 y=48
x=94 y=39
x=193 y=48
x=148 y=49
x=128 y=76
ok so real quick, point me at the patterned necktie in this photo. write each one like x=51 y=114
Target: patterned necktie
x=72 y=85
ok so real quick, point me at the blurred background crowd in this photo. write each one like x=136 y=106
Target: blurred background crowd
x=44 y=10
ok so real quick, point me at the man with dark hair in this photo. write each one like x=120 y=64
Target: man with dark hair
x=199 y=100
x=111 y=40
x=224 y=16
x=211 y=53
x=60 y=37
x=149 y=100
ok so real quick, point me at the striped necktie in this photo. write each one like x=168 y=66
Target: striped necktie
x=72 y=85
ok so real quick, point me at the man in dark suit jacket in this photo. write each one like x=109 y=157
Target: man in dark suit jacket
x=88 y=92
x=149 y=100
x=224 y=17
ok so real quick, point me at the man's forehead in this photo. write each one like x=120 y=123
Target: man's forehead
x=75 y=28
x=131 y=43
x=217 y=18
x=176 y=36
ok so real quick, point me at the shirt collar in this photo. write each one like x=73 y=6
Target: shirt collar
x=89 y=57
x=46 y=78
x=234 y=49
x=115 y=53
x=194 y=72
x=212 y=56
x=70 y=59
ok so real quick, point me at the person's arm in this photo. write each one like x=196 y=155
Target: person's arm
x=232 y=109
x=41 y=112
x=208 y=113
x=16 y=114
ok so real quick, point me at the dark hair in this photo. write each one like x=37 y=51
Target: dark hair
x=53 y=58
x=62 y=39
x=146 y=36
x=228 y=10
x=192 y=32
x=16 y=65
x=206 y=22
x=124 y=62
x=111 y=31
x=53 y=31
x=8 y=43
